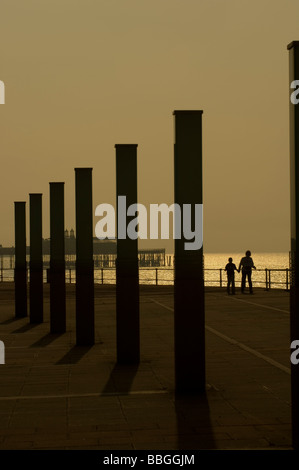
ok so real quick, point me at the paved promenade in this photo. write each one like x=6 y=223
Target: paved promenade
x=54 y=395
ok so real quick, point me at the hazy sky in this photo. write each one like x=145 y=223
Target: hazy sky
x=82 y=75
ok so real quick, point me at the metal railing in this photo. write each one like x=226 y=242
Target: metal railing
x=273 y=278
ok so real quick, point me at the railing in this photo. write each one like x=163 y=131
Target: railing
x=266 y=278
x=274 y=278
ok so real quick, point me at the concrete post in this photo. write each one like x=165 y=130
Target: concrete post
x=127 y=277
x=36 y=259
x=294 y=288
x=57 y=260
x=84 y=258
x=20 y=260
x=189 y=310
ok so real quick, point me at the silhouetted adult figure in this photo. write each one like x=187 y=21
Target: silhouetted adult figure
x=230 y=269
x=247 y=264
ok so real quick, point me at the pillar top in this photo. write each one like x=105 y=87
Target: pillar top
x=56 y=182
x=125 y=145
x=20 y=202
x=191 y=111
x=293 y=44
x=83 y=168
x=35 y=194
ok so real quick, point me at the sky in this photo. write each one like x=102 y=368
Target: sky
x=83 y=75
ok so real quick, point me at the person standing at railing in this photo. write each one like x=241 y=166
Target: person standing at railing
x=230 y=269
x=247 y=264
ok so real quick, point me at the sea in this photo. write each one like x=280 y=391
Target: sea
x=270 y=267
x=273 y=267
x=272 y=271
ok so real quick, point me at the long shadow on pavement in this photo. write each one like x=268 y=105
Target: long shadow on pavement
x=121 y=379
x=11 y=320
x=45 y=340
x=194 y=426
x=74 y=355
x=27 y=327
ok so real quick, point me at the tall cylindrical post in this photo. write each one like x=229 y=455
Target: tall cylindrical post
x=36 y=259
x=84 y=258
x=57 y=260
x=189 y=310
x=294 y=258
x=127 y=277
x=20 y=260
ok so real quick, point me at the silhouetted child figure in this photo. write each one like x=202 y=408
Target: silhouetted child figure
x=230 y=269
x=247 y=265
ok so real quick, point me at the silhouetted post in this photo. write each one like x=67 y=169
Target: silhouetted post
x=57 y=260
x=20 y=260
x=84 y=258
x=294 y=287
x=189 y=310
x=127 y=277
x=36 y=259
